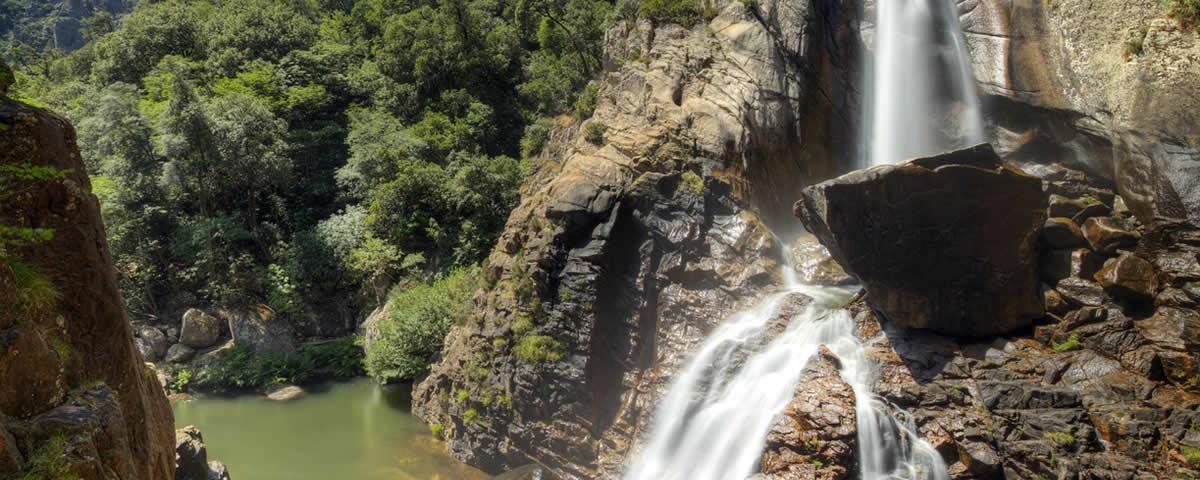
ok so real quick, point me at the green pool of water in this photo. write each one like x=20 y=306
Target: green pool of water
x=352 y=431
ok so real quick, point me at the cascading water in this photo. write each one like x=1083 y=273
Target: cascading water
x=922 y=90
x=714 y=420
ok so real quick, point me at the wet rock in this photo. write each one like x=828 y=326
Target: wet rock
x=191 y=455
x=1106 y=235
x=10 y=454
x=1129 y=277
x=1081 y=292
x=1059 y=264
x=1065 y=207
x=1054 y=301
x=528 y=472
x=217 y=471
x=945 y=243
x=1061 y=232
x=179 y=353
x=816 y=434
x=814 y=265
x=258 y=329
x=284 y=393
x=155 y=339
x=199 y=330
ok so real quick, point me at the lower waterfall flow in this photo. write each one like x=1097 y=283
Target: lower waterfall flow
x=713 y=422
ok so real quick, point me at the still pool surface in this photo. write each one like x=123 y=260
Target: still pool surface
x=353 y=431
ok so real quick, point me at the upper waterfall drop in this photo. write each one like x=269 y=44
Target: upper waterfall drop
x=921 y=86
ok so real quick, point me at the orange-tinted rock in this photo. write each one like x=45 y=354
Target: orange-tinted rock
x=85 y=338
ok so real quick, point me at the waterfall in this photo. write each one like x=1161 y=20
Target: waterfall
x=713 y=422
x=922 y=90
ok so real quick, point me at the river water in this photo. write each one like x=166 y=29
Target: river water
x=347 y=431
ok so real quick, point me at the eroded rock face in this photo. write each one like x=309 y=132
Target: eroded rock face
x=1106 y=86
x=70 y=371
x=947 y=243
x=622 y=256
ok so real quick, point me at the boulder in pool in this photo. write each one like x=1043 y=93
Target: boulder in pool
x=946 y=243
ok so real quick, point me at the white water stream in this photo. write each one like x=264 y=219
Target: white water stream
x=714 y=420
x=922 y=89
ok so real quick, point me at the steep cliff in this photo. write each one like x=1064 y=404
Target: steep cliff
x=634 y=245
x=75 y=397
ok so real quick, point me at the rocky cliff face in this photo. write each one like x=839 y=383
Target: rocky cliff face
x=75 y=397
x=632 y=248
x=1106 y=86
x=626 y=251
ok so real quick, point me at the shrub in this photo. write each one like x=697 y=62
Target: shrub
x=1132 y=47
x=1061 y=439
x=470 y=416
x=539 y=349
x=436 y=429
x=1072 y=343
x=420 y=318
x=48 y=462
x=239 y=369
x=683 y=12
x=1186 y=11
x=1191 y=454
x=535 y=138
x=594 y=132
x=691 y=183
x=35 y=293
x=585 y=105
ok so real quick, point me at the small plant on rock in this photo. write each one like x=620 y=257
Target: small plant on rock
x=594 y=132
x=539 y=349
x=1061 y=439
x=1072 y=343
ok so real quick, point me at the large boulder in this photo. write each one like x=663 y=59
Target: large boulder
x=155 y=339
x=946 y=242
x=260 y=330
x=199 y=329
x=1130 y=277
x=191 y=455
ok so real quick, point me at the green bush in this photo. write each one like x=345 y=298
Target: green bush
x=683 y=12
x=35 y=293
x=1061 y=439
x=49 y=462
x=239 y=369
x=585 y=105
x=1186 y=11
x=420 y=318
x=470 y=416
x=539 y=349
x=436 y=429
x=1191 y=454
x=535 y=138
x=594 y=132
x=1072 y=343
x=691 y=183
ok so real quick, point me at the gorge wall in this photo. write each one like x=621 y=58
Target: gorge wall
x=649 y=223
x=75 y=397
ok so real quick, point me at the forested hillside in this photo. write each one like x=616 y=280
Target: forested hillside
x=310 y=154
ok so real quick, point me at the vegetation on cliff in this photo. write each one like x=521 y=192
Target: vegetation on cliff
x=417 y=323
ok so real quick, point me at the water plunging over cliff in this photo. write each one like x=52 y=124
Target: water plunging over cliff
x=714 y=420
x=922 y=90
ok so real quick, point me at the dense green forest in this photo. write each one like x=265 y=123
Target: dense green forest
x=289 y=152
x=308 y=153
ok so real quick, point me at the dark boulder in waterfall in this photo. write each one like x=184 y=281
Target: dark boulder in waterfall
x=946 y=243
